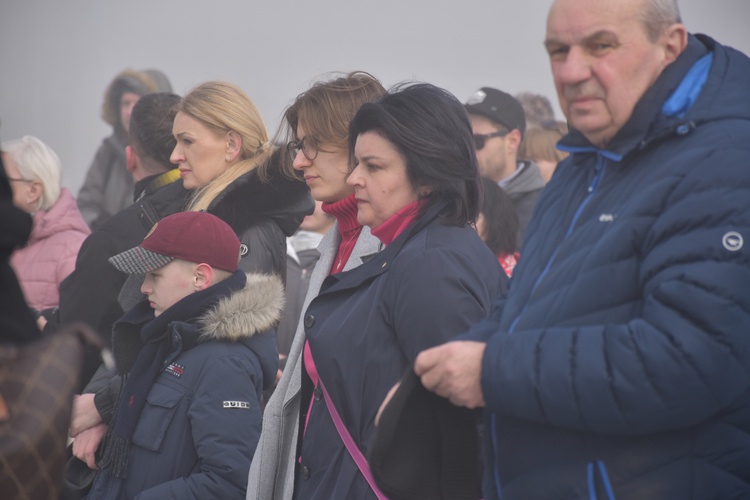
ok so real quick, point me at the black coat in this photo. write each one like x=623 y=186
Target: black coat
x=368 y=324
x=263 y=213
x=89 y=293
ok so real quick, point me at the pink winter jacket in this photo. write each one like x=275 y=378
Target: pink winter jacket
x=50 y=254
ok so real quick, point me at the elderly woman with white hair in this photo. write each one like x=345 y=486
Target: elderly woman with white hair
x=33 y=170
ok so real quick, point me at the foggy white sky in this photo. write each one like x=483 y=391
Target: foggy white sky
x=58 y=56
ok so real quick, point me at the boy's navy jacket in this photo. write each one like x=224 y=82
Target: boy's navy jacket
x=619 y=365
x=197 y=433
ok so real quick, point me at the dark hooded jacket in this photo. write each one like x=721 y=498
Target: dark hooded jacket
x=619 y=366
x=197 y=433
x=90 y=292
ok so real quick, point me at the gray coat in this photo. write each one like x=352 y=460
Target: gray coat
x=272 y=471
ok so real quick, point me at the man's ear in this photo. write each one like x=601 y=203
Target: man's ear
x=234 y=146
x=513 y=141
x=203 y=277
x=675 y=39
x=131 y=159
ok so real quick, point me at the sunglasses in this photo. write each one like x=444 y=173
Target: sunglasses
x=309 y=150
x=480 y=140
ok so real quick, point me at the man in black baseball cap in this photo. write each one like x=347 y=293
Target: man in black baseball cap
x=498 y=122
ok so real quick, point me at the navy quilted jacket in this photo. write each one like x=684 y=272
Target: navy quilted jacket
x=620 y=367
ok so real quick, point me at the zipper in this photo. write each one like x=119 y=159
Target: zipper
x=595 y=181
x=591 y=480
x=601 y=162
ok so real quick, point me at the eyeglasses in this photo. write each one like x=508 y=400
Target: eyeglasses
x=309 y=150
x=479 y=140
x=19 y=180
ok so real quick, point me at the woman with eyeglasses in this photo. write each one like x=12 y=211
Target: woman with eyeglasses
x=318 y=125
x=49 y=256
x=416 y=185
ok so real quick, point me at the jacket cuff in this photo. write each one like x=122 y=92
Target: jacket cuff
x=105 y=404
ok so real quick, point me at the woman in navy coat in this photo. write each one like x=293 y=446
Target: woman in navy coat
x=416 y=184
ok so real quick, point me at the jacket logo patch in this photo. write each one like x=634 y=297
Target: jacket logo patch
x=175 y=369
x=237 y=404
x=732 y=241
x=606 y=218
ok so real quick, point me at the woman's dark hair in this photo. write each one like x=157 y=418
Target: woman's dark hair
x=500 y=219
x=431 y=129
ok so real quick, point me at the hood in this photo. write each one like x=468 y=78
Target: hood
x=526 y=179
x=707 y=82
x=138 y=82
x=63 y=216
x=248 y=316
x=726 y=92
x=286 y=201
x=254 y=309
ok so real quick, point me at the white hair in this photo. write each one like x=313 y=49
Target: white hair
x=37 y=161
x=657 y=15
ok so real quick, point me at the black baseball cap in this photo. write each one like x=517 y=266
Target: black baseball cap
x=499 y=107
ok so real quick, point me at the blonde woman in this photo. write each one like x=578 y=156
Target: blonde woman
x=224 y=156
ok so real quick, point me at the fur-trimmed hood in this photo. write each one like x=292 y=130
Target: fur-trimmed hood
x=254 y=309
x=277 y=197
x=242 y=308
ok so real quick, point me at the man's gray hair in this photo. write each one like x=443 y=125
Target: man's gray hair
x=657 y=15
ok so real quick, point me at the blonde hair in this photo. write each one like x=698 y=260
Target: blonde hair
x=539 y=142
x=37 y=161
x=224 y=107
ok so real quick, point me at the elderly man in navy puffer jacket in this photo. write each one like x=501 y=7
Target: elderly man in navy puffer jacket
x=619 y=364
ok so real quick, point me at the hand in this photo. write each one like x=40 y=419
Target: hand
x=87 y=442
x=454 y=371
x=385 y=402
x=85 y=414
x=41 y=321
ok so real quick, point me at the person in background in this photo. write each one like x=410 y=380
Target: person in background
x=195 y=356
x=108 y=186
x=619 y=364
x=317 y=125
x=536 y=107
x=497 y=225
x=498 y=122
x=416 y=184
x=34 y=172
x=302 y=255
x=539 y=146
x=89 y=294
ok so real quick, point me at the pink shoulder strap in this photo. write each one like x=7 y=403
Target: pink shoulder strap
x=351 y=446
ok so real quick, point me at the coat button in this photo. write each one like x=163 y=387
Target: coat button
x=317 y=393
x=309 y=321
x=305 y=472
